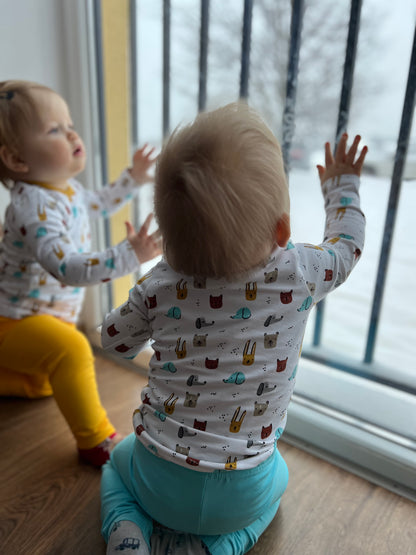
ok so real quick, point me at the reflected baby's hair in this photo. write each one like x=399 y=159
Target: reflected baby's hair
x=220 y=189
x=17 y=111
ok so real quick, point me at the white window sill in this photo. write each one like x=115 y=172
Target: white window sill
x=357 y=424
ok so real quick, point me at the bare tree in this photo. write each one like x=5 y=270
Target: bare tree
x=322 y=54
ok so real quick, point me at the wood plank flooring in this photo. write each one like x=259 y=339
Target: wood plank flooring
x=49 y=501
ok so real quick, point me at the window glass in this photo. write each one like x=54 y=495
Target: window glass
x=383 y=57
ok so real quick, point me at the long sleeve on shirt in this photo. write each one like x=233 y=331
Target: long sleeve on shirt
x=46 y=258
x=110 y=198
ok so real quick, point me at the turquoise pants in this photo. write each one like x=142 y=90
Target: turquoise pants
x=227 y=509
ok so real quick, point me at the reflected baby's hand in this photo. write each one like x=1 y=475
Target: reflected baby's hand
x=142 y=163
x=144 y=245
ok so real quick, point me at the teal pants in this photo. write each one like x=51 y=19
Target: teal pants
x=227 y=509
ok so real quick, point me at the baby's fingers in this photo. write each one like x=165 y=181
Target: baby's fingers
x=321 y=171
x=329 y=159
x=156 y=235
x=142 y=149
x=130 y=229
x=150 y=152
x=340 y=152
x=145 y=227
x=145 y=152
x=360 y=161
x=349 y=159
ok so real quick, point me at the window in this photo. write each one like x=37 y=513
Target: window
x=355 y=400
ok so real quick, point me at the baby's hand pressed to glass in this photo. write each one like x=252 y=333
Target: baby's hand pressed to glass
x=144 y=245
x=142 y=162
x=343 y=163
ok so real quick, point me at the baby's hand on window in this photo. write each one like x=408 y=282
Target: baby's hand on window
x=144 y=245
x=344 y=162
x=142 y=163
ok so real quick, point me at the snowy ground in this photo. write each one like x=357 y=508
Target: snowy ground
x=347 y=310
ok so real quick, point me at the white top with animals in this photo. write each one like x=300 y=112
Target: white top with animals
x=45 y=257
x=226 y=353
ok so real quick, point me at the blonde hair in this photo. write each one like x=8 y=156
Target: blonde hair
x=220 y=189
x=17 y=111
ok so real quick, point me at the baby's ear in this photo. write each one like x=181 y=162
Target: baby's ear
x=283 y=230
x=12 y=161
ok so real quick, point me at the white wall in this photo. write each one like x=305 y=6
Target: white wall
x=30 y=46
x=31 y=41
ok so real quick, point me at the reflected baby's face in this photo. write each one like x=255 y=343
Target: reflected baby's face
x=50 y=148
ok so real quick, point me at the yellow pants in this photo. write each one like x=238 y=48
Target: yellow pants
x=42 y=356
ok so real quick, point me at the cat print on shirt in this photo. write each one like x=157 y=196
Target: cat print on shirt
x=281 y=365
x=215 y=301
x=286 y=297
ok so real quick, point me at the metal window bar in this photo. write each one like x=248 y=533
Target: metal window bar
x=134 y=92
x=203 y=56
x=399 y=161
x=245 y=48
x=288 y=123
x=166 y=67
x=343 y=115
x=99 y=67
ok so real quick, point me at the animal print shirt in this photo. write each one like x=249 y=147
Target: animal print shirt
x=226 y=353
x=45 y=257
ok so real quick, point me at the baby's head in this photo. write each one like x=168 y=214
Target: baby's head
x=37 y=142
x=221 y=195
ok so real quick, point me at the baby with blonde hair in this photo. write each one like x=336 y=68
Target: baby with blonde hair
x=216 y=178
x=46 y=259
x=226 y=311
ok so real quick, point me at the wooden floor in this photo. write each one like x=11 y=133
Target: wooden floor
x=49 y=501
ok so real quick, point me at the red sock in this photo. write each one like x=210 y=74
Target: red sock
x=99 y=455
